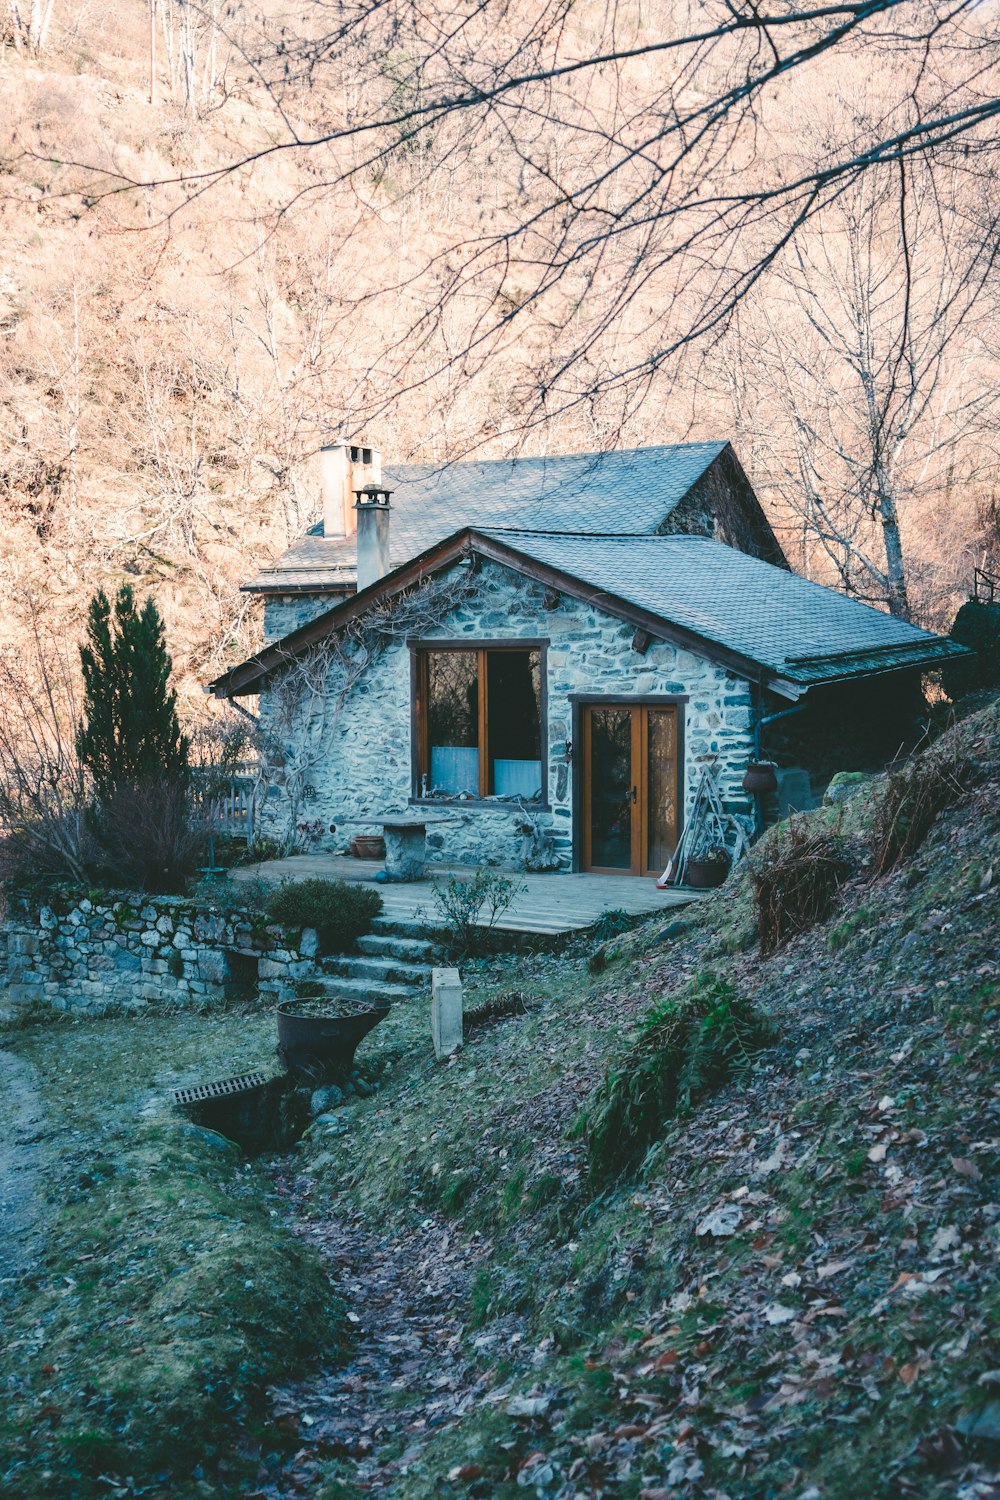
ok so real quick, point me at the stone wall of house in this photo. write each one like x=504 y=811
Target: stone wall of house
x=94 y=955
x=349 y=760
x=284 y=613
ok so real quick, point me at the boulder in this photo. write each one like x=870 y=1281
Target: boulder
x=844 y=785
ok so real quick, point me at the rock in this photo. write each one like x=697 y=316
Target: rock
x=844 y=785
x=309 y=942
x=671 y=931
x=362 y=1088
x=206 y=1137
x=326 y=1098
x=982 y=1426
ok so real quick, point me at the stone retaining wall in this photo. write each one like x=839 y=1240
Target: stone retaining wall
x=93 y=955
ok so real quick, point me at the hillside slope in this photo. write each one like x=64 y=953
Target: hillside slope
x=794 y=1293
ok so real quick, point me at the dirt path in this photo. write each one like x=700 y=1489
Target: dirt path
x=20 y=1164
x=411 y=1371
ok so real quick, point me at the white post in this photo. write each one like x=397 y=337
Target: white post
x=446 y=1012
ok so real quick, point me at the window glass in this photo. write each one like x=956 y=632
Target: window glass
x=453 y=721
x=514 y=727
x=453 y=761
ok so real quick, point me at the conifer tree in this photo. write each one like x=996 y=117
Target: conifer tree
x=129 y=735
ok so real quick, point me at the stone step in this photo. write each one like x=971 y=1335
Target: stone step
x=388 y=945
x=377 y=970
x=343 y=988
x=414 y=928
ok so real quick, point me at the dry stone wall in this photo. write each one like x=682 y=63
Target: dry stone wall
x=346 y=758
x=93 y=955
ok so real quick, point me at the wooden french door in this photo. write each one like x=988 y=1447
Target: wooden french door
x=631 y=787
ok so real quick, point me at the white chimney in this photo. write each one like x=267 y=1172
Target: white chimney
x=372 y=513
x=344 y=469
x=336 y=479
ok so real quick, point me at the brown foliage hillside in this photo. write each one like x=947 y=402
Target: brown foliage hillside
x=170 y=359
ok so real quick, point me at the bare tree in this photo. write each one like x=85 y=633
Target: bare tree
x=629 y=195
x=28 y=23
x=870 y=366
x=42 y=787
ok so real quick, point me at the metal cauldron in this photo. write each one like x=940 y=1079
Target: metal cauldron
x=317 y=1039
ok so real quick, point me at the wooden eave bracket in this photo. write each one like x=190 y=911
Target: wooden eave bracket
x=641 y=641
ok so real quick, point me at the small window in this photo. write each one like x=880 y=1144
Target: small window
x=479 y=723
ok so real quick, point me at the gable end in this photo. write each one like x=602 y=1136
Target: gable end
x=722 y=505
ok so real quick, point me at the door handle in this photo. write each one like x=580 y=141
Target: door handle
x=635 y=794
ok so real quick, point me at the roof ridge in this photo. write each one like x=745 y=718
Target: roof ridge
x=552 y=458
x=604 y=536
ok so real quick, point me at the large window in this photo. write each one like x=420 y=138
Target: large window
x=479 y=722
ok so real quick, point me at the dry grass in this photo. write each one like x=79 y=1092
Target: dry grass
x=914 y=797
x=796 y=877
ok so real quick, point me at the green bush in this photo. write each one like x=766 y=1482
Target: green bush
x=691 y=1046
x=612 y=923
x=339 y=911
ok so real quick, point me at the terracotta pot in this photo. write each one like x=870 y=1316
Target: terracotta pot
x=705 y=874
x=368 y=846
x=760 y=778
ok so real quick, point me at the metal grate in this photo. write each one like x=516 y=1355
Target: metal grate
x=243 y=1083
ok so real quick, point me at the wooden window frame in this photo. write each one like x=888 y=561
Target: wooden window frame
x=581 y=768
x=420 y=729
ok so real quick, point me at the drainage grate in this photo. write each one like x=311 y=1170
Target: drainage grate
x=225 y=1088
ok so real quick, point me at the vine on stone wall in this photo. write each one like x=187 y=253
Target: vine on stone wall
x=311 y=691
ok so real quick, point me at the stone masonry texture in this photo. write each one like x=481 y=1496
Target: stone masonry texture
x=340 y=761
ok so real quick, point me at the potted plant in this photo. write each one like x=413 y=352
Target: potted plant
x=708 y=867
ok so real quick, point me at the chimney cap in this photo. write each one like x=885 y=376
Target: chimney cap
x=372 y=494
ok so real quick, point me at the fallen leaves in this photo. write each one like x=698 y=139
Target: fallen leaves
x=721 y=1221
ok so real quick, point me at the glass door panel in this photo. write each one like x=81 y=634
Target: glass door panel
x=611 y=788
x=661 y=787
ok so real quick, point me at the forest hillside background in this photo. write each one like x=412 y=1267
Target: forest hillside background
x=172 y=356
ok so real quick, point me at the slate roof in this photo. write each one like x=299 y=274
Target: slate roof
x=794 y=628
x=630 y=491
x=756 y=618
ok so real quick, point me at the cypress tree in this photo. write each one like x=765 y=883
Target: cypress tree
x=129 y=734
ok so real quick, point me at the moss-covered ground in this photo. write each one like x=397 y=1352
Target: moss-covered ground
x=792 y=1292
x=163 y=1290
x=795 y=1292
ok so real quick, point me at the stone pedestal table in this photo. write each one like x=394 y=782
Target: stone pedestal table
x=405 y=844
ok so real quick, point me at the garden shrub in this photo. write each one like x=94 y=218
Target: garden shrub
x=340 y=911
x=471 y=908
x=612 y=923
x=795 y=878
x=144 y=837
x=691 y=1046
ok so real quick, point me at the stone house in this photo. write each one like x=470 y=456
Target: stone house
x=541 y=655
